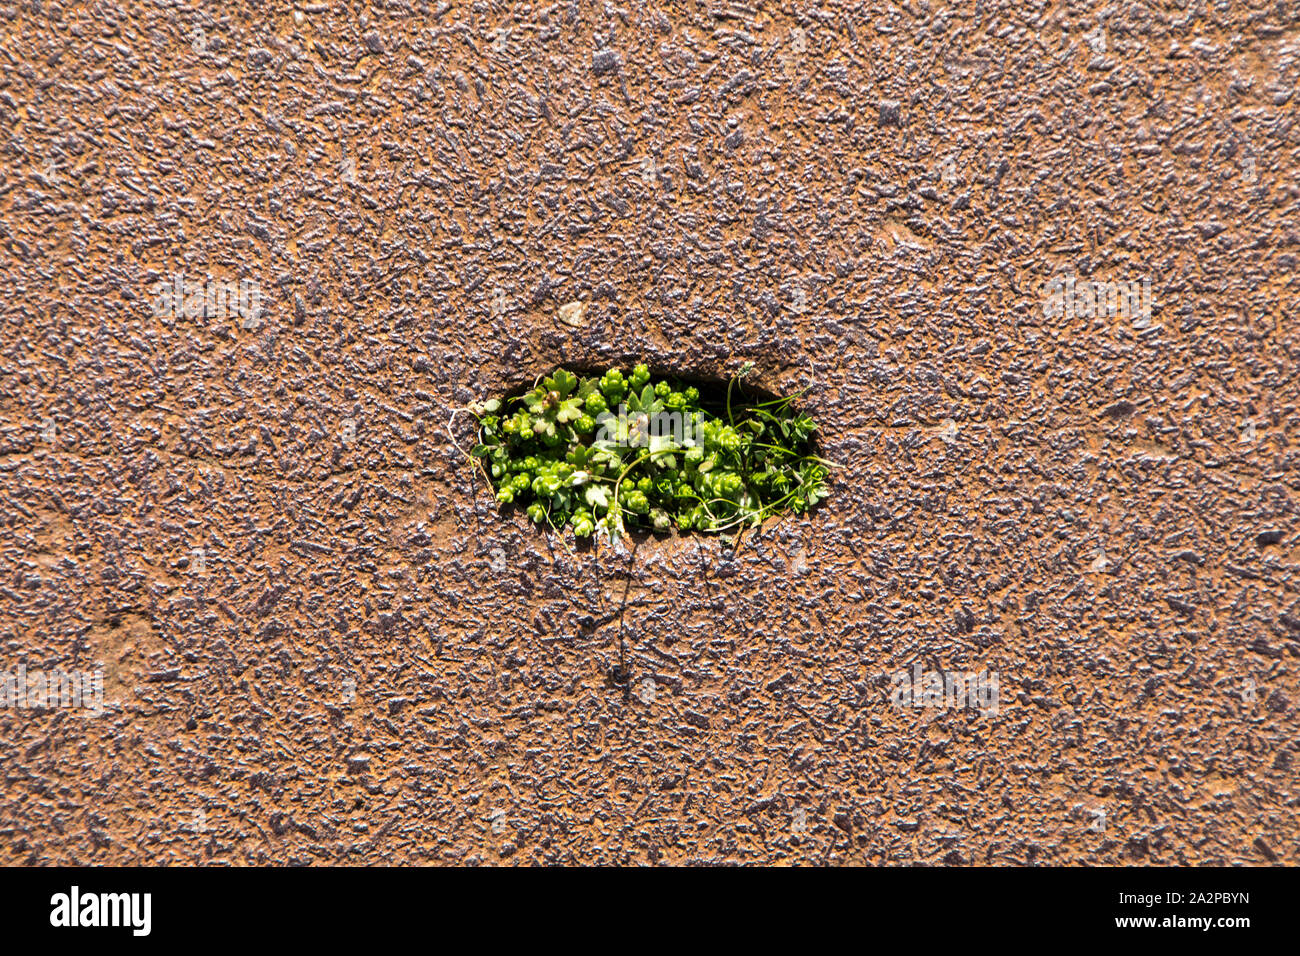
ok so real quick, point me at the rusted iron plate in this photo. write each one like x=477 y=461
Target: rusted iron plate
x=255 y=259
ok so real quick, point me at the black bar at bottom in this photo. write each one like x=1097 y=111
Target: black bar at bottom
x=371 y=906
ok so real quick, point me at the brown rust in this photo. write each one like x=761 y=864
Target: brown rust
x=323 y=644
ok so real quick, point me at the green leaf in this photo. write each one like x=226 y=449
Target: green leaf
x=562 y=381
x=647 y=402
x=570 y=410
x=662 y=443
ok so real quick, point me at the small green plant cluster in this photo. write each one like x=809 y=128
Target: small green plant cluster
x=602 y=454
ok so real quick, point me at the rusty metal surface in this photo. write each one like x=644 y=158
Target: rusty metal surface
x=320 y=641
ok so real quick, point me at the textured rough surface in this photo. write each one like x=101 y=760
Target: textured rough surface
x=364 y=662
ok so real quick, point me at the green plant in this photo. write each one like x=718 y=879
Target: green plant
x=601 y=454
